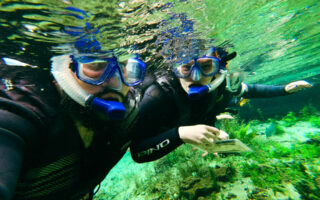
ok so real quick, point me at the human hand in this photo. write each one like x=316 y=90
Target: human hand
x=296 y=86
x=200 y=135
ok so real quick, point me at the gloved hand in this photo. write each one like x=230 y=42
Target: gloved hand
x=296 y=86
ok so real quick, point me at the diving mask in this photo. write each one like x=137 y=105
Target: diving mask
x=205 y=65
x=62 y=74
x=96 y=70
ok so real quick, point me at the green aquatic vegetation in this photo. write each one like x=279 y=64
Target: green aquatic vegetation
x=279 y=151
x=315 y=121
x=245 y=133
x=262 y=175
x=271 y=165
x=290 y=119
x=306 y=112
x=239 y=130
x=306 y=151
x=274 y=129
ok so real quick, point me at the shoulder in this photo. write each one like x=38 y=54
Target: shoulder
x=20 y=122
x=156 y=99
x=30 y=88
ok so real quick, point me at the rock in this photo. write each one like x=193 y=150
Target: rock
x=223 y=173
x=194 y=188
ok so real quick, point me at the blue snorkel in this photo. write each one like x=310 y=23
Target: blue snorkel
x=196 y=92
x=63 y=75
x=113 y=109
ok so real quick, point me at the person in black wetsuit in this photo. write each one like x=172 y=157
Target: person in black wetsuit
x=181 y=106
x=60 y=135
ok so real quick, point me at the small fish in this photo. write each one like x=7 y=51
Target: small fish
x=243 y=101
x=224 y=116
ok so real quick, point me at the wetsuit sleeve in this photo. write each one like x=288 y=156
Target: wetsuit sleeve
x=262 y=91
x=12 y=147
x=155 y=113
x=153 y=148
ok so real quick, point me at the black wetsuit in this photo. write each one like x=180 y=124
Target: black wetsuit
x=42 y=155
x=165 y=106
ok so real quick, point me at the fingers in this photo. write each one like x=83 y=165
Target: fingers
x=216 y=134
x=213 y=130
x=303 y=83
x=223 y=135
x=204 y=154
x=207 y=141
x=296 y=86
x=213 y=137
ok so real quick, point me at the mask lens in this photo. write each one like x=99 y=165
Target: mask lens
x=94 y=72
x=208 y=65
x=94 y=69
x=184 y=70
x=133 y=72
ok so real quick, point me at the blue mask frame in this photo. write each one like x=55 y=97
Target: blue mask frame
x=196 y=66
x=112 y=67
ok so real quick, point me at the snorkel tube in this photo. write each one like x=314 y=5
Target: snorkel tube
x=196 y=92
x=62 y=74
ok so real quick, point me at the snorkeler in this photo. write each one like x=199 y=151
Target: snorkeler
x=60 y=135
x=181 y=106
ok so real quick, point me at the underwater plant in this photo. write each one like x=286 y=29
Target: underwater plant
x=245 y=133
x=315 y=121
x=274 y=129
x=239 y=130
x=307 y=111
x=290 y=119
x=271 y=167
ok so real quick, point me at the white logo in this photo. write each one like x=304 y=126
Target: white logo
x=159 y=146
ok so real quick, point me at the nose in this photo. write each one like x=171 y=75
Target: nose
x=195 y=74
x=113 y=81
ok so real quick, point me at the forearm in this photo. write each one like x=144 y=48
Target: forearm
x=262 y=91
x=153 y=148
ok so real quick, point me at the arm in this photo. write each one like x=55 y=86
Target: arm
x=156 y=113
x=12 y=148
x=262 y=91
x=265 y=91
x=153 y=148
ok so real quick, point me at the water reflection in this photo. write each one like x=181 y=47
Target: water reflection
x=277 y=41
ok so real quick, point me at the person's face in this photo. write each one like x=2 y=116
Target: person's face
x=197 y=74
x=105 y=90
